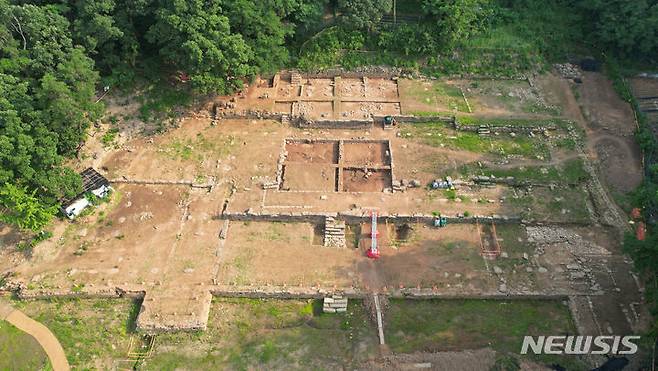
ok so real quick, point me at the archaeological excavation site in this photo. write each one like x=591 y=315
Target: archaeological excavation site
x=361 y=209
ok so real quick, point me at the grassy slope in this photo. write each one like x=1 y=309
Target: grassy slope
x=438 y=135
x=92 y=332
x=569 y=172
x=20 y=351
x=439 y=325
x=252 y=333
x=293 y=334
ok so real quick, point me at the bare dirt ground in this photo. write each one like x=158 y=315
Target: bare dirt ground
x=610 y=128
x=448 y=260
x=169 y=241
x=320 y=152
x=366 y=154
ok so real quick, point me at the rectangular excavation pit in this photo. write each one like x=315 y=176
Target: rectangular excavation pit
x=366 y=153
x=364 y=110
x=283 y=107
x=352 y=88
x=325 y=152
x=366 y=180
x=309 y=177
x=318 y=89
x=330 y=165
x=314 y=110
x=382 y=89
x=287 y=91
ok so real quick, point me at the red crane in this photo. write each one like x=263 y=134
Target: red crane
x=373 y=251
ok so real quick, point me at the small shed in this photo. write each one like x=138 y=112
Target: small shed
x=92 y=182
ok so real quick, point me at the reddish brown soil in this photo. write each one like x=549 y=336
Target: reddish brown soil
x=316 y=152
x=366 y=153
x=309 y=177
x=355 y=180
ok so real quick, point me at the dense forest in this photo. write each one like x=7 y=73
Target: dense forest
x=56 y=55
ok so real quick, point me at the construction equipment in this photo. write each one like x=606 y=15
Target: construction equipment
x=390 y=122
x=373 y=251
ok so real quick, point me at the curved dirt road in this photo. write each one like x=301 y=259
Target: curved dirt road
x=41 y=333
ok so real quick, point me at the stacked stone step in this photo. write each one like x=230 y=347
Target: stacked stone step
x=334 y=304
x=484 y=130
x=270 y=185
x=334 y=232
x=295 y=78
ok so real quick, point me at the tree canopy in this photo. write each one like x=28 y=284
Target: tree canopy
x=629 y=28
x=363 y=14
x=46 y=103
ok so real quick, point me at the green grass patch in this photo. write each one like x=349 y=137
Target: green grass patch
x=110 y=136
x=446 y=325
x=90 y=331
x=565 y=204
x=270 y=334
x=272 y=232
x=199 y=148
x=436 y=93
x=570 y=172
x=438 y=135
x=20 y=351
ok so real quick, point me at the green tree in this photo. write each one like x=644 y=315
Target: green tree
x=455 y=20
x=363 y=14
x=57 y=73
x=629 y=28
x=46 y=103
x=196 y=37
x=262 y=29
x=95 y=25
x=21 y=208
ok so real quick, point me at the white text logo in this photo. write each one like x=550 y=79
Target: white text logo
x=579 y=344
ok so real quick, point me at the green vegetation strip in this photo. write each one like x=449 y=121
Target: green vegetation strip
x=438 y=135
x=570 y=172
x=270 y=334
x=445 y=325
x=274 y=334
x=20 y=351
x=91 y=332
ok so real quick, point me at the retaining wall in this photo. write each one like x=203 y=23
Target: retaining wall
x=330 y=73
x=335 y=124
x=285 y=292
x=352 y=218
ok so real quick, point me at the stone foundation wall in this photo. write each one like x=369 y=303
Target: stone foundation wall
x=334 y=124
x=369 y=72
x=354 y=218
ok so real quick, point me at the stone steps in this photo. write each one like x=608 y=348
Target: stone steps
x=295 y=78
x=334 y=304
x=334 y=233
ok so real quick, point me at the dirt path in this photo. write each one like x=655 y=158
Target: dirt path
x=614 y=158
x=41 y=333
